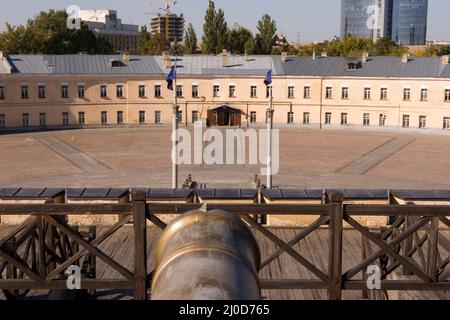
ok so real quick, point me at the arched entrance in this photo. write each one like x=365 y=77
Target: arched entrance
x=224 y=116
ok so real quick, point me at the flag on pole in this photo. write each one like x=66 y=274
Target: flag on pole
x=171 y=78
x=268 y=79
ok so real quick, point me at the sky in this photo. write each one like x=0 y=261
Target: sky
x=303 y=20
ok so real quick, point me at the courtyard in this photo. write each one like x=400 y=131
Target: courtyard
x=309 y=158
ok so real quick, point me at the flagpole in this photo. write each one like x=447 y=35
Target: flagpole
x=269 y=137
x=175 y=131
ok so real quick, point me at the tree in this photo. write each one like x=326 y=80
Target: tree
x=238 y=37
x=47 y=33
x=158 y=44
x=209 y=41
x=221 y=31
x=266 y=36
x=190 y=40
x=250 y=46
x=144 y=40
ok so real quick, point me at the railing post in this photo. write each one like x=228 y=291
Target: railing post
x=140 y=246
x=335 y=253
x=433 y=249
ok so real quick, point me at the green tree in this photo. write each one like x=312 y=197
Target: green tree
x=266 y=36
x=250 y=46
x=190 y=40
x=209 y=41
x=47 y=33
x=238 y=37
x=144 y=40
x=158 y=44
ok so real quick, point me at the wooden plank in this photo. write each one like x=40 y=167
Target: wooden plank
x=292 y=284
x=433 y=249
x=156 y=221
x=335 y=250
x=400 y=285
x=398 y=210
x=65 y=209
x=140 y=246
x=88 y=284
x=41 y=247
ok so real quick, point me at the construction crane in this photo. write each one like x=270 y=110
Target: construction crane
x=166 y=6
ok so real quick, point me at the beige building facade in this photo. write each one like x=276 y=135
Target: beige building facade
x=97 y=92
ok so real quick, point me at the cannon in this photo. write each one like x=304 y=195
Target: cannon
x=207 y=256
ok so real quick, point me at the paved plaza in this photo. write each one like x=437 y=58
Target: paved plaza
x=140 y=157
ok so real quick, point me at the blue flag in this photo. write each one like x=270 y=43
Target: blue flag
x=268 y=79
x=171 y=79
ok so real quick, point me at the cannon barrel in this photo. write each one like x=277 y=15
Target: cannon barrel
x=207 y=256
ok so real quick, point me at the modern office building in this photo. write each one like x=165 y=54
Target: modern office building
x=403 y=21
x=46 y=91
x=171 y=25
x=409 y=22
x=106 y=24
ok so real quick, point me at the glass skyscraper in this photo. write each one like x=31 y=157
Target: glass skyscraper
x=403 y=21
x=410 y=22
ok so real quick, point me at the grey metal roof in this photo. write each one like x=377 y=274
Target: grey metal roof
x=374 y=67
x=236 y=66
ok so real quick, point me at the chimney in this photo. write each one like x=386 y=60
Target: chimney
x=225 y=58
x=405 y=58
x=2 y=55
x=167 y=60
x=324 y=54
x=445 y=59
x=284 y=56
x=314 y=55
x=125 y=57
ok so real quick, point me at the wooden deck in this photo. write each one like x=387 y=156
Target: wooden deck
x=314 y=248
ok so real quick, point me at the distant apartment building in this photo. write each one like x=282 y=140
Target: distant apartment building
x=377 y=93
x=403 y=21
x=106 y=24
x=172 y=26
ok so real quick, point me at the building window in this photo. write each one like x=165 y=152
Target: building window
x=104 y=117
x=232 y=91
x=41 y=92
x=253 y=116
x=329 y=93
x=119 y=91
x=367 y=93
x=24 y=92
x=42 y=119
x=423 y=94
x=157 y=91
x=194 y=91
x=2 y=93
x=80 y=91
x=216 y=91
x=119 y=117
x=306 y=118
x=141 y=91
x=65 y=118
x=180 y=116
x=179 y=91
x=422 y=122
x=291 y=92
x=307 y=93
x=26 y=119
x=446 y=97
x=328 y=118
x=253 y=91
x=406 y=94
x=446 y=123
x=405 y=123
x=64 y=92
x=2 y=121
x=157 y=117
x=141 y=117
x=81 y=118
x=194 y=116
x=345 y=93
x=290 y=119
x=383 y=118
x=344 y=119
x=366 y=119
x=103 y=91
x=384 y=94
